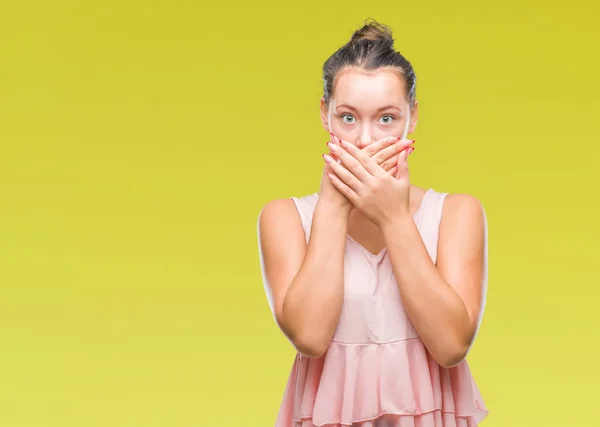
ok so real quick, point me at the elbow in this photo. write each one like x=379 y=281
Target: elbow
x=307 y=345
x=455 y=351
x=453 y=357
x=451 y=361
x=311 y=349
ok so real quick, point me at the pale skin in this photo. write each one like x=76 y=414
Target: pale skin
x=369 y=197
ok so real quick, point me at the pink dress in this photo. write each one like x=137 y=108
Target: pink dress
x=376 y=371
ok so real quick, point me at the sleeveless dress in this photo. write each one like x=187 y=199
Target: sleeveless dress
x=376 y=371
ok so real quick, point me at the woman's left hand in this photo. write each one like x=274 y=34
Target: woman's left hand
x=379 y=195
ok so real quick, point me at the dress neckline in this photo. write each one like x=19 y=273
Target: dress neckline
x=378 y=256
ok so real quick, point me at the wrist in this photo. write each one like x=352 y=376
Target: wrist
x=334 y=208
x=399 y=222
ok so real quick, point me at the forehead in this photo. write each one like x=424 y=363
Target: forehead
x=360 y=86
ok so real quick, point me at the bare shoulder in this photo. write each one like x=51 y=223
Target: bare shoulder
x=464 y=208
x=279 y=213
x=463 y=223
x=281 y=235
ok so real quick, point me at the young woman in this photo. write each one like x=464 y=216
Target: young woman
x=379 y=285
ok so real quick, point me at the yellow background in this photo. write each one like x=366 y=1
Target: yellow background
x=140 y=139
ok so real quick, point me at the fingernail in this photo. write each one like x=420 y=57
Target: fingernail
x=327 y=158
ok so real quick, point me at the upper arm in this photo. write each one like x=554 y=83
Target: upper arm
x=461 y=257
x=282 y=246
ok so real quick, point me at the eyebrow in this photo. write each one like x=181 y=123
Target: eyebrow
x=387 y=107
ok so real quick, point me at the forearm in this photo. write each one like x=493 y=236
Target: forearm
x=313 y=302
x=435 y=309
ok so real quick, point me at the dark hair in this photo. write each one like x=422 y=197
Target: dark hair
x=370 y=48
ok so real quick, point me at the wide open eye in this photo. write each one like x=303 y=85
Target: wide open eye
x=344 y=116
x=387 y=119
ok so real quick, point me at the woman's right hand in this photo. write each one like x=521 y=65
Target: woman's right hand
x=328 y=193
x=384 y=151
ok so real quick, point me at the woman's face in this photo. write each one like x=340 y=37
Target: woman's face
x=368 y=106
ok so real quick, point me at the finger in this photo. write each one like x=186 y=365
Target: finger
x=361 y=165
x=390 y=163
x=373 y=148
x=330 y=153
x=343 y=188
x=403 y=163
x=393 y=171
x=393 y=160
x=391 y=151
x=349 y=161
x=335 y=140
x=342 y=173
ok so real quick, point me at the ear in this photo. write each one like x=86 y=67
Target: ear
x=414 y=117
x=324 y=114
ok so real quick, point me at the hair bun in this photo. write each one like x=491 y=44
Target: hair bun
x=372 y=30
